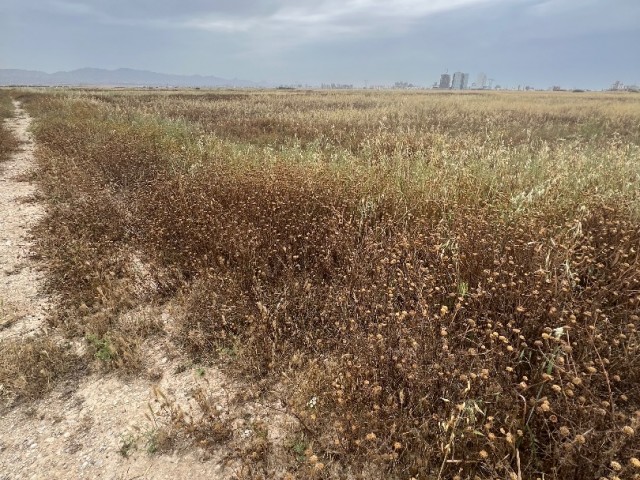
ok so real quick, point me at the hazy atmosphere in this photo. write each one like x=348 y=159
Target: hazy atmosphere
x=571 y=43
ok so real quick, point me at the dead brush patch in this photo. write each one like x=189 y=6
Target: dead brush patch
x=474 y=339
x=448 y=356
x=8 y=141
x=203 y=425
x=448 y=313
x=30 y=367
x=84 y=239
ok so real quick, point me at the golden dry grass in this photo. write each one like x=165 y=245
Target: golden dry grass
x=445 y=285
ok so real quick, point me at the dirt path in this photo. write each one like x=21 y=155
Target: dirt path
x=98 y=426
x=22 y=308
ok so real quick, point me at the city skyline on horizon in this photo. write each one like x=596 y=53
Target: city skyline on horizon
x=465 y=82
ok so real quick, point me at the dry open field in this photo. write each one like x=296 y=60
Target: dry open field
x=430 y=285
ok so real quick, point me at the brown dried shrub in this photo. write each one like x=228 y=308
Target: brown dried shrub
x=8 y=141
x=30 y=367
x=428 y=335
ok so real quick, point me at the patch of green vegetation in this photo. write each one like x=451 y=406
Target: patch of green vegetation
x=104 y=349
x=128 y=444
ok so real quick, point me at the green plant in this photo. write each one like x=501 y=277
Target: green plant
x=157 y=440
x=103 y=347
x=299 y=446
x=463 y=288
x=127 y=445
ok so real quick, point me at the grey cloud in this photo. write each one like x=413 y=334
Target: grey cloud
x=314 y=18
x=284 y=21
x=562 y=17
x=164 y=9
x=582 y=42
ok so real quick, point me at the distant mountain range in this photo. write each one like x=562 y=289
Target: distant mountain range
x=115 y=78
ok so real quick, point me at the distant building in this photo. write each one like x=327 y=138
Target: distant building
x=403 y=85
x=617 y=85
x=481 y=82
x=456 y=84
x=460 y=81
x=336 y=86
x=445 y=80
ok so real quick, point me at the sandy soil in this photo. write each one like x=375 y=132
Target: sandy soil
x=22 y=306
x=98 y=426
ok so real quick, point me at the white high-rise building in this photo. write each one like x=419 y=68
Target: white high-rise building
x=481 y=82
x=460 y=81
x=456 y=83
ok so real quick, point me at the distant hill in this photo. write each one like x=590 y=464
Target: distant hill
x=120 y=77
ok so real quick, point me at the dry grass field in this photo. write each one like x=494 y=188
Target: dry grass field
x=444 y=285
x=8 y=142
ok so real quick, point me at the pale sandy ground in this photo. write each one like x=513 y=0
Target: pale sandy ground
x=77 y=431
x=19 y=279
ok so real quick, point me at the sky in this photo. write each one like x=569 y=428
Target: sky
x=570 y=43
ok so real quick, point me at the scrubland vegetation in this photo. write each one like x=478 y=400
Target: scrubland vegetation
x=8 y=142
x=445 y=286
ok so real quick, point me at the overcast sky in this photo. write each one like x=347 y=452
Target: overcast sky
x=572 y=43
